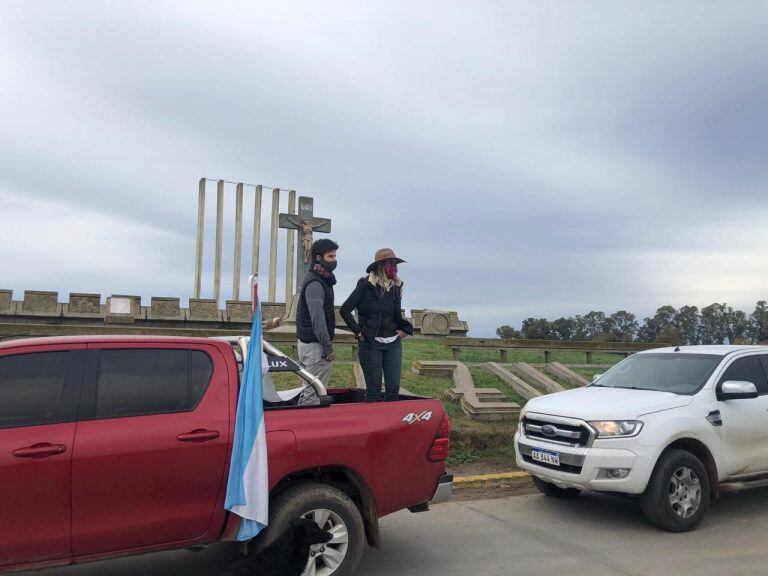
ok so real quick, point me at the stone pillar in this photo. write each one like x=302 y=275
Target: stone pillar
x=273 y=245
x=204 y=309
x=123 y=309
x=238 y=241
x=6 y=297
x=165 y=308
x=219 y=239
x=256 y=232
x=290 y=252
x=239 y=311
x=84 y=305
x=200 y=237
x=40 y=303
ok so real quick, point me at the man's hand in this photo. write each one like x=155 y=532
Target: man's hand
x=330 y=357
x=402 y=335
x=360 y=336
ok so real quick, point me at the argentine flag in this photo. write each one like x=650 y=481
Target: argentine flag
x=248 y=485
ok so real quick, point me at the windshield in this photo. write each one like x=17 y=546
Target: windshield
x=678 y=373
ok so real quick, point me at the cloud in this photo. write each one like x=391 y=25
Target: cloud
x=527 y=159
x=52 y=246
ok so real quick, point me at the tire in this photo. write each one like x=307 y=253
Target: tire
x=332 y=508
x=553 y=491
x=677 y=496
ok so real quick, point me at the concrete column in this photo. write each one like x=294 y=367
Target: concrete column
x=238 y=241
x=290 y=251
x=256 y=232
x=219 y=239
x=273 y=244
x=200 y=236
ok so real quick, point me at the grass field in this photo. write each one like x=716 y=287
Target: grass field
x=473 y=442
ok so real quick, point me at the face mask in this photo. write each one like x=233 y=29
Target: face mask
x=391 y=271
x=330 y=266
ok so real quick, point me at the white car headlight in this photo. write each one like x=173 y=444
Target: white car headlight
x=616 y=428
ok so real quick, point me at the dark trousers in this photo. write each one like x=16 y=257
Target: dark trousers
x=379 y=359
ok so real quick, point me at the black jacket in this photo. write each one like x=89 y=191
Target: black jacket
x=308 y=330
x=366 y=298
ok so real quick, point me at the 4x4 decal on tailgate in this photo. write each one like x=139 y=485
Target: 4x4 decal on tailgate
x=412 y=417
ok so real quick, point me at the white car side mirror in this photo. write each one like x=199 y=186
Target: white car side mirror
x=736 y=390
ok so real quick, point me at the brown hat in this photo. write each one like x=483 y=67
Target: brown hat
x=381 y=255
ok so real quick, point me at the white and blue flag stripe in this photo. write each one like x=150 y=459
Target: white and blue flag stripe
x=248 y=485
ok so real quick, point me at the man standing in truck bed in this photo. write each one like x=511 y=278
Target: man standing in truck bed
x=316 y=317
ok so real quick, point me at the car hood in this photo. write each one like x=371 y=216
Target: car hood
x=595 y=403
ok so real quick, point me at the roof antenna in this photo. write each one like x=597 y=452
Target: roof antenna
x=677 y=348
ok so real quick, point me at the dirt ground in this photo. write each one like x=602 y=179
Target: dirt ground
x=479 y=468
x=516 y=489
x=502 y=490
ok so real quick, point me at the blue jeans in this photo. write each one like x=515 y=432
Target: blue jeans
x=379 y=360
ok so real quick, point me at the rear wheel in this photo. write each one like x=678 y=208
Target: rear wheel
x=677 y=495
x=554 y=491
x=332 y=510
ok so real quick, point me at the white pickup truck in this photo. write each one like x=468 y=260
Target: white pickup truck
x=673 y=426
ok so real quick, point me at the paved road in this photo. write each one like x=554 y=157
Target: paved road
x=590 y=536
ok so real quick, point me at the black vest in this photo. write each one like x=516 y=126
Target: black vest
x=304 y=330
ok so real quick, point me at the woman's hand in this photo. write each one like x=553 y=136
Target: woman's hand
x=402 y=335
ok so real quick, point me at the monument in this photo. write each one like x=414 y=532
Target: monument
x=297 y=262
x=298 y=259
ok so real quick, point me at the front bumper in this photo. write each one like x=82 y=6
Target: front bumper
x=444 y=491
x=581 y=466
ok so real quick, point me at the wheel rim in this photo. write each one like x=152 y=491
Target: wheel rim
x=684 y=492
x=325 y=559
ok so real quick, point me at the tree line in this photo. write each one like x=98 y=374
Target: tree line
x=713 y=324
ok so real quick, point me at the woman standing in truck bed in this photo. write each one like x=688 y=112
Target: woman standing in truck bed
x=381 y=326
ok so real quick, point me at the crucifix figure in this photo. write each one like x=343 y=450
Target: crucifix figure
x=306 y=222
x=307 y=227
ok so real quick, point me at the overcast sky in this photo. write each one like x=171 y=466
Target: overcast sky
x=526 y=158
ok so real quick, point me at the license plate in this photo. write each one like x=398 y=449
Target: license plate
x=546 y=457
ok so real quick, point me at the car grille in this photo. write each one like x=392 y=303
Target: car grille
x=575 y=435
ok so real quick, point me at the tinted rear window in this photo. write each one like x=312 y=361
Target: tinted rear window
x=138 y=382
x=32 y=388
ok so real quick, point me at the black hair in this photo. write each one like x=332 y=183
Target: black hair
x=322 y=247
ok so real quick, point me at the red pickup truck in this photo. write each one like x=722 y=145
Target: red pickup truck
x=112 y=446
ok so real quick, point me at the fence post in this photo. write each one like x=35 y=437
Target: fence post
x=589 y=357
x=503 y=356
x=547 y=356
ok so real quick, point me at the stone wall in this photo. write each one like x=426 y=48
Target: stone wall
x=84 y=309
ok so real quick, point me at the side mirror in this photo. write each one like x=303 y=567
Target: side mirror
x=736 y=390
x=596 y=376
